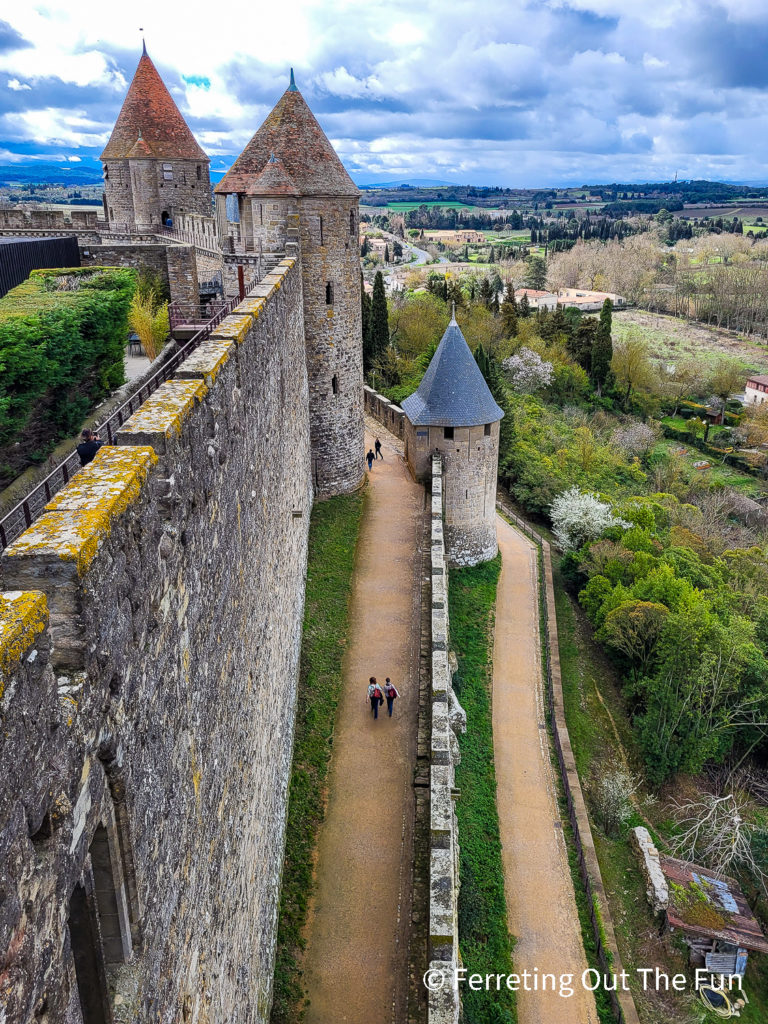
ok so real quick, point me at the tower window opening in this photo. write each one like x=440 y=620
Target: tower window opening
x=88 y=958
x=352 y=223
x=199 y=173
x=321 y=232
x=106 y=173
x=487 y=430
x=335 y=384
x=329 y=294
x=448 y=433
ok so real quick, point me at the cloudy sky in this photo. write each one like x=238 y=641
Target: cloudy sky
x=510 y=92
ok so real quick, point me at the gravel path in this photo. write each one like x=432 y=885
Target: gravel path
x=540 y=899
x=355 y=961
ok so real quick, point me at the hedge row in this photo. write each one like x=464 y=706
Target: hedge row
x=732 y=459
x=62 y=339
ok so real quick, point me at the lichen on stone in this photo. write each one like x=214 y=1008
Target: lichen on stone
x=207 y=360
x=164 y=412
x=23 y=615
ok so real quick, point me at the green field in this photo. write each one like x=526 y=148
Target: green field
x=405 y=207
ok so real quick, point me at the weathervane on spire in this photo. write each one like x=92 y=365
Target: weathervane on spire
x=143 y=43
x=292 y=86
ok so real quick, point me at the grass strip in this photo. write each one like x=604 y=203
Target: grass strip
x=333 y=535
x=486 y=944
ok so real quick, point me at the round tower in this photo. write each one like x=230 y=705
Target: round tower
x=453 y=413
x=154 y=169
x=327 y=201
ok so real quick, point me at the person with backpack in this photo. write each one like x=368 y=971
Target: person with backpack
x=375 y=696
x=370 y=458
x=391 y=693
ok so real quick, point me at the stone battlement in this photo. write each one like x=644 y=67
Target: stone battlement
x=148 y=727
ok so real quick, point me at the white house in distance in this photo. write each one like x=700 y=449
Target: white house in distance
x=587 y=301
x=756 y=390
x=537 y=299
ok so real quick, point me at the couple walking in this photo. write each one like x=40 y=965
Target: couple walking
x=370 y=456
x=376 y=695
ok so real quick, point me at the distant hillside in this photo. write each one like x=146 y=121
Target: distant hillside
x=39 y=173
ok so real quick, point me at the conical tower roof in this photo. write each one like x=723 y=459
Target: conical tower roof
x=273 y=181
x=294 y=136
x=150 y=114
x=453 y=392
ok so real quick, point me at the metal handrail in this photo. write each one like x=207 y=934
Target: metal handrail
x=22 y=515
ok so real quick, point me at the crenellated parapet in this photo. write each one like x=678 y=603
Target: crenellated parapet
x=148 y=726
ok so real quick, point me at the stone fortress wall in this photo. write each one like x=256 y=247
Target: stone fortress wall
x=149 y=641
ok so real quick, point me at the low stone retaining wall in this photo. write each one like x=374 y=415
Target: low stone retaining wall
x=387 y=413
x=622 y=1003
x=448 y=718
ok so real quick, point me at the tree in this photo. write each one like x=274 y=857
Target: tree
x=379 y=318
x=483 y=360
x=486 y=293
x=491 y=256
x=386 y=254
x=535 y=273
x=524 y=307
x=509 y=311
x=635 y=439
x=365 y=302
x=602 y=348
x=527 y=372
x=634 y=629
x=365 y=248
x=149 y=319
x=729 y=377
x=397 y=249
x=631 y=366
x=416 y=324
x=581 y=343
x=577 y=518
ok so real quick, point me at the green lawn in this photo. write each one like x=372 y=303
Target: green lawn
x=486 y=945
x=332 y=540
x=716 y=473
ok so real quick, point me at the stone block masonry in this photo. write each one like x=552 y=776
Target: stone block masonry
x=387 y=413
x=448 y=718
x=175 y=264
x=148 y=727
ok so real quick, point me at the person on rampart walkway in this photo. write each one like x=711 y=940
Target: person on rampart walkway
x=377 y=446
x=88 y=447
x=370 y=458
x=375 y=696
x=391 y=693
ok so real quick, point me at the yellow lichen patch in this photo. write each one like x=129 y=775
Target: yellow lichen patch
x=165 y=411
x=234 y=327
x=81 y=515
x=23 y=614
x=250 y=306
x=111 y=482
x=206 y=361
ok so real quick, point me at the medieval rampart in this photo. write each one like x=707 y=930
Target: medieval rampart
x=387 y=413
x=148 y=725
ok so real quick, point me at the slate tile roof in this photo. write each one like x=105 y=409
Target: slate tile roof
x=453 y=392
x=150 y=124
x=297 y=140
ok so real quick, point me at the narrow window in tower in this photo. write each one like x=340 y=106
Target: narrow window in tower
x=329 y=294
x=335 y=384
x=487 y=429
x=199 y=173
x=106 y=173
x=352 y=223
x=448 y=433
x=321 y=232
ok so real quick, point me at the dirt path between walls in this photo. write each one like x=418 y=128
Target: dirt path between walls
x=355 y=964
x=540 y=897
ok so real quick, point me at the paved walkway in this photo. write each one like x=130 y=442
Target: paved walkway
x=355 y=965
x=540 y=900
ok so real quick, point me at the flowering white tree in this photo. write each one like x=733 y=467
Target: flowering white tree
x=577 y=518
x=527 y=371
x=635 y=438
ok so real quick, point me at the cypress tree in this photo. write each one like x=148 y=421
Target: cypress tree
x=379 y=318
x=602 y=348
x=386 y=254
x=365 y=301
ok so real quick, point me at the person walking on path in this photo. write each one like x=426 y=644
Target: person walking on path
x=88 y=447
x=370 y=457
x=374 y=696
x=391 y=693
x=377 y=446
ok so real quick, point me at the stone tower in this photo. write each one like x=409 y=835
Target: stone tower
x=294 y=195
x=454 y=413
x=154 y=168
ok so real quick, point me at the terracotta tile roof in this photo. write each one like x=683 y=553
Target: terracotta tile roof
x=757 y=378
x=150 y=118
x=292 y=134
x=273 y=181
